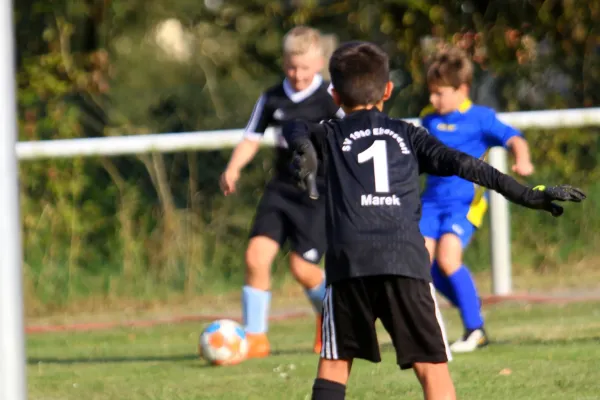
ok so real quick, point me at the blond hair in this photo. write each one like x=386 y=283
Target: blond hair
x=301 y=40
x=450 y=67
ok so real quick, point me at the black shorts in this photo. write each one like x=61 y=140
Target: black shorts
x=286 y=215
x=406 y=307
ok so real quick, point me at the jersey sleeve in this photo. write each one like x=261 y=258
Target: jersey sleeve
x=259 y=120
x=496 y=132
x=436 y=158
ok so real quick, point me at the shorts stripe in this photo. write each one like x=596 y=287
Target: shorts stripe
x=438 y=317
x=324 y=327
x=334 y=349
x=329 y=350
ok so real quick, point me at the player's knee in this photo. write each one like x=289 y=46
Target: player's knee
x=423 y=369
x=435 y=380
x=257 y=264
x=449 y=259
x=431 y=372
x=306 y=273
x=299 y=274
x=260 y=254
x=297 y=268
x=334 y=370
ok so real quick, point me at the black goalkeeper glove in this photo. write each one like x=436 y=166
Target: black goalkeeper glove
x=542 y=197
x=304 y=166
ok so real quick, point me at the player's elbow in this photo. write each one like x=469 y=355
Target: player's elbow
x=519 y=147
x=516 y=143
x=245 y=150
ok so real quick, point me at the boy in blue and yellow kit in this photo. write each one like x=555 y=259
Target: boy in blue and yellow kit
x=453 y=208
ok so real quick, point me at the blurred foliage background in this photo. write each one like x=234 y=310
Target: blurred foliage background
x=155 y=227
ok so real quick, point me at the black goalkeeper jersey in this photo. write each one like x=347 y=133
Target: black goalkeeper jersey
x=281 y=103
x=372 y=166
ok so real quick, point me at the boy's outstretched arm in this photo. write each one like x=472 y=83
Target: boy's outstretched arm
x=520 y=150
x=500 y=134
x=437 y=159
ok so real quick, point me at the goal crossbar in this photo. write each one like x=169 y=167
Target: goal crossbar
x=218 y=139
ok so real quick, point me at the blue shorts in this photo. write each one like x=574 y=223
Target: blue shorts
x=439 y=219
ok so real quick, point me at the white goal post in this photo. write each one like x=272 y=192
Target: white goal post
x=211 y=140
x=13 y=378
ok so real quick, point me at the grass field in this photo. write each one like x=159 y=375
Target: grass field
x=538 y=352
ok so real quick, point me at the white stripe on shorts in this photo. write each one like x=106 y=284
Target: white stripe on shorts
x=325 y=350
x=329 y=350
x=440 y=320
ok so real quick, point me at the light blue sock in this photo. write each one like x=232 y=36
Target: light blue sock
x=467 y=298
x=316 y=296
x=255 y=307
x=442 y=283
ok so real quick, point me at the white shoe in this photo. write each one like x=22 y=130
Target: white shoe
x=471 y=341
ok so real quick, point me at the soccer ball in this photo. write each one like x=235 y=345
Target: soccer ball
x=223 y=342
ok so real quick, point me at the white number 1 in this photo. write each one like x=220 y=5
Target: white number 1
x=378 y=152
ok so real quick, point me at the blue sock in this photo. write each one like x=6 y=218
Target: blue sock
x=255 y=307
x=466 y=298
x=316 y=296
x=442 y=284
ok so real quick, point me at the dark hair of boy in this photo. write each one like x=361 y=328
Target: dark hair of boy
x=359 y=73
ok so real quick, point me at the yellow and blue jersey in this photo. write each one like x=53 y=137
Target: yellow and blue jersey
x=472 y=129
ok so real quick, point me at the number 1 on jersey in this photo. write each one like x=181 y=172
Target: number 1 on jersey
x=378 y=152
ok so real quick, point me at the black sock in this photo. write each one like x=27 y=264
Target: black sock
x=328 y=390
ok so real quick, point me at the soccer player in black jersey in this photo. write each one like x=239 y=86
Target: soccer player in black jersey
x=284 y=213
x=376 y=262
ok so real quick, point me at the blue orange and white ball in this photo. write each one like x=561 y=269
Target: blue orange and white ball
x=223 y=342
